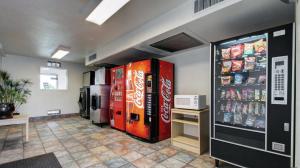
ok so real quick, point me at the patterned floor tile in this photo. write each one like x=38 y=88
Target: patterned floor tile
x=115 y=162
x=144 y=163
x=173 y=163
x=132 y=156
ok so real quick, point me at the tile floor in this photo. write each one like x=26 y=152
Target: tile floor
x=78 y=143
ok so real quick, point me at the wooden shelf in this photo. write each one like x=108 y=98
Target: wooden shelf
x=189 y=140
x=189 y=121
x=199 y=120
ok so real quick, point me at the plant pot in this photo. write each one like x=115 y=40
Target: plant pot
x=6 y=110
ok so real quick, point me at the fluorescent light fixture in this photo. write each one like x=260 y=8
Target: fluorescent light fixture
x=105 y=10
x=60 y=53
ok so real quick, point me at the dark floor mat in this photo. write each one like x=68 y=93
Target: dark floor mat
x=43 y=161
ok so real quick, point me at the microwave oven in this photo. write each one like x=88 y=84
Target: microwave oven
x=193 y=102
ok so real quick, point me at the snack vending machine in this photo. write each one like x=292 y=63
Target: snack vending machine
x=149 y=99
x=252 y=112
x=117 y=110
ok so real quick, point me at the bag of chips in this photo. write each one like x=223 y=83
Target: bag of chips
x=238 y=119
x=251 y=108
x=250 y=63
x=260 y=123
x=251 y=80
x=250 y=120
x=245 y=109
x=226 y=53
x=232 y=94
x=226 y=66
x=228 y=94
x=261 y=62
x=237 y=65
x=226 y=80
x=223 y=94
x=228 y=106
x=245 y=94
x=251 y=94
x=263 y=95
x=248 y=49
x=238 y=79
x=257 y=94
x=227 y=117
x=237 y=51
x=260 y=46
x=257 y=110
x=238 y=94
x=262 y=79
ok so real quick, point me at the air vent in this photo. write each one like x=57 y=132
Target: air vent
x=177 y=42
x=92 y=57
x=200 y=5
x=54 y=112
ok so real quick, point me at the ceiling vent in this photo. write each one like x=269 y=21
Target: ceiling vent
x=177 y=42
x=200 y=5
x=92 y=57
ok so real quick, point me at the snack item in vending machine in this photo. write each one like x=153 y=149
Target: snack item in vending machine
x=263 y=95
x=228 y=94
x=223 y=94
x=237 y=51
x=245 y=109
x=238 y=79
x=226 y=80
x=257 y=106
x=237 y=65
x=226 y=66
x=232 y=94
x=222 y=108
x=251 y=80
x=234 y=107
x=262 y=79
x=251 y=94
x=261 y=62
x=239 y=108
x=228 y=117
x=228 y=106
x=244 y=94
x=250 y=120
x=260 y=46
x=248 y=49
x=263 y=109
x=251 y=108
x=250 y=63
x=226 y=53
x=260 y=122
x=238 y=118
x=257 y=94
x=238 y=94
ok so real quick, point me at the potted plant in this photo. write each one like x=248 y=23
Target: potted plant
x=13 y=93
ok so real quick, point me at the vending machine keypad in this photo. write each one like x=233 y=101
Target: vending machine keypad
x=279 y=80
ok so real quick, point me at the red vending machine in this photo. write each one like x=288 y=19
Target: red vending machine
x=149 y=99
x=117 y=99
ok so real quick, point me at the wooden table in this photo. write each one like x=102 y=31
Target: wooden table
x=17 y=119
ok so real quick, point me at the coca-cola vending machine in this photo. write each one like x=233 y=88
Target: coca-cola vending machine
x=117 y=110
x=149 y=99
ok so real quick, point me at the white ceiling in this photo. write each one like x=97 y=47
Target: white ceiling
x=37 y=27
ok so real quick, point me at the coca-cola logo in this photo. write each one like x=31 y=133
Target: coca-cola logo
x=166 y=91
x=139 y=82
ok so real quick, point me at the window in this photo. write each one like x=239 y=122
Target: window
x=53 y=79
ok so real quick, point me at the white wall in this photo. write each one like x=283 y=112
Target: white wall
x=297 y=84
x=41 y=100
x=192 y=75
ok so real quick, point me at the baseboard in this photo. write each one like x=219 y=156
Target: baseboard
x=51 y=117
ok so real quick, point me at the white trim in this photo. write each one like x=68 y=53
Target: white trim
x=293 y=97
x=250 y=147
x=245 y=129
x=267 y=88
x=210 y=97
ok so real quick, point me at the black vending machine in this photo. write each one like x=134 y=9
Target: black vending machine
x=252 y=104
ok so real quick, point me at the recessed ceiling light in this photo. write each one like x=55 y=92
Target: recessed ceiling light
x=60 y=52
x=105 y=10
